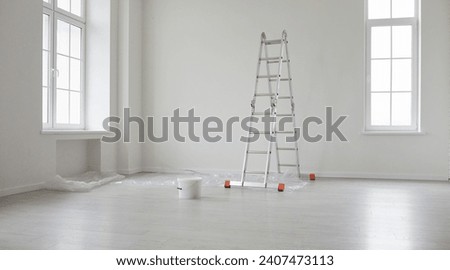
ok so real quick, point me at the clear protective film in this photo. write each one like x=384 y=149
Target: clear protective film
x=82 y=183
x=214 y=179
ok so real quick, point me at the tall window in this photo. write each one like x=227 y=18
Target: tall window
x=392 y=60
x=63 y=64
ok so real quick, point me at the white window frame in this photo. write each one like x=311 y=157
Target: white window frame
x=414 y=22
x=51 y=9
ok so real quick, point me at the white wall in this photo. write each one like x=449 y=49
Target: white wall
x=72 y=157
x=26 y=157
x=202 y=54
x=130 y=80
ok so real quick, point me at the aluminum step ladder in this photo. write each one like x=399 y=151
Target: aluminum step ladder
x=274 y=83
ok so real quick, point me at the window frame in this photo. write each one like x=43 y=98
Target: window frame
x=414 y=22
x=50 y=76
x=56 y=14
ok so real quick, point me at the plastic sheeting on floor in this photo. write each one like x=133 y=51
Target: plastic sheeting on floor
x=291 y=180
x=82 y=183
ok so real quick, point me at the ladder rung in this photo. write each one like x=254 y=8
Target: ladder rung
x=285 y=115
x=255 y=173
x=282 y=79
x=287 y=148
x=261 y=113
x=277 y=61
x=264 y=95
x=257 y=152
x=247 y=184
x=286 y=132
x=289 y=165
x=254 y=184
x=267 y=76
x=285 y=97
x=235 y=183
x=273 y=42
x=274 y=60
x=269 y=58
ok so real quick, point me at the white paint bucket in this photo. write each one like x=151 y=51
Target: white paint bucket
x=189 y=187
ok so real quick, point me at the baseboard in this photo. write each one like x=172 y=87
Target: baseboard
x=129 y=171
x=22 y=189
x=109 y=172
x=332 y=175
x=384 y=176
x=174 y=171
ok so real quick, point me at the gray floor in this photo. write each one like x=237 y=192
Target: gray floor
x=326 y=214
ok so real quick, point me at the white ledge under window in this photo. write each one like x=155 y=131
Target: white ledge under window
x=393 y=133
x=76 y=134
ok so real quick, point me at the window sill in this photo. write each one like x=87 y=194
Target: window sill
x=392 y=133
x=75 y=134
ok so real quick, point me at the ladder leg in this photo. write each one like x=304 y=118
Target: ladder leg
x=269 y=84
x=244 y=165
x=280 y=66
x=293 y=110
x=277 y=155
x=269 y=146
x=269 y=151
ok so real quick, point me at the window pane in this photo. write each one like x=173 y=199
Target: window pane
x=64 y=4
x=401 y=75
x=401 y=109
x=381 y=42
x=63 y=37
x=45 y=32
x=76 y=7
x=75 y=108
x=401 y=41
x=380 y=75
x=62 y=65
x=75 y=41
x=75 y=74
x=44 y=105
x=45 y=68
x=62 y=107
x=379 y=9
x=403 y=8
x=381 y=109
